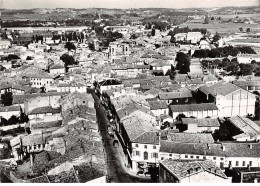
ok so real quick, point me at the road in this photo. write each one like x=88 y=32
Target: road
x=115 y=168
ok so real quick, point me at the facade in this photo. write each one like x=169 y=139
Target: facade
x=225 y=155
x=195 y=125
x=230 y=99
x=194 y=37
x=202 y=110
x=248 y=58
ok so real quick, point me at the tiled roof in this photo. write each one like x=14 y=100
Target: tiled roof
x=212 y=149
x=57 y=66
x=191 y=137
x=148 y=138
x=131 y=108
x=10 y=108
x=180 y=93
x=135 y=127
x=155 y=105
x=43 y=110
x=201 y=122
x=222 y=87
x=193 y=107
x=185 y=168
x=245 y=125
x=34 y=139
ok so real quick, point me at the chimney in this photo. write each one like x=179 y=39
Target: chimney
x=223 y=147
x=190 y=171
x=250 y=146
x=208 y=146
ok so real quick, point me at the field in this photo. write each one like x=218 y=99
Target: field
x=223 y=27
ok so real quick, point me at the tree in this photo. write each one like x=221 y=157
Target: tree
x=133 y=36
x=7 y=98
x=216 y=37
x=153 y=32
x=70 y=46
x=183 y=62
x=68 y=60
x=12 y=56
x=206 y=20
x=246 y=69
x=248 y=30
x=91 y=46
x=173 y=40
x=13 y=120
x=241 y=29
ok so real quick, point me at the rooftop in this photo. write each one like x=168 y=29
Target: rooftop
x=193 y=107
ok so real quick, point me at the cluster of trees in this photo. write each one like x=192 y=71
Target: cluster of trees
x=7 y=98
x=110 y=37
x=70 y=46
x=68 y=60
x=222 y=52
x=158 y=25
x=233 y=67
x=177 y=30
x=13 y=120
x=183 y=63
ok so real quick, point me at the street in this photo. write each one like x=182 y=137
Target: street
x=115 y=169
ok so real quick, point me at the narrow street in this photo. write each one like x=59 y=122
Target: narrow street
x=115 y=169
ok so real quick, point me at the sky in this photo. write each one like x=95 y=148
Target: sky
x=27 y=4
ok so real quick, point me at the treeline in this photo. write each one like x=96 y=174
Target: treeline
x=222 y=52
x=233 y=67
x=177 y=30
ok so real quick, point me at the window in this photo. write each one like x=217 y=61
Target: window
x=83 y=101
x=221 y=159
x=170 y=154
x=191 y=156
x=186 y=156
x=162 y=158
x=154 y=155
x=145 y=155
x=204 y=157
x=250 y=163
x=214 y=158
x=145 y=146
x=136 y=145
x=237 y=163
x=154 y=147
x=170 y=158
x=197 y=157
x=230 y=163
x=137 y=153
x=244 y=163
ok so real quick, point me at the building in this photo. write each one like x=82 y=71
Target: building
x=57 y=69
x=225 y=154
x=159 y=107
x=194 y=37
x=201 y=125
x=9 y=111
x=202 y=110
x=145 y=151
x=175 y=97
x=229 y=98
x=246 y=129
x=191 y=171
x=248 y=58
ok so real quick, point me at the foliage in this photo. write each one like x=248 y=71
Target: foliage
x=183 y=63
x=70 y=46
x=153 y=32
x=68 y=60
x=222 y=52
x=12 y=56
x=7 y=98
x=216 y=37
x=177 y=30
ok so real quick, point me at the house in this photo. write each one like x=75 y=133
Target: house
x=109 y=84
x=57 y=69
x=145 y=151
x=209 y=79
x=181 y=36
x=179 y=96
x=194 y=37
x=229 y=98
x=248 y=58
x=72 y=87
x=133 y=131
x=225 y=154
x=201 y=125
x=202 y=110
x=160 y=65
x=40 y=79
x=43 y=108
x=244 y=175
x=191 y=171
x=8 y=111
x=159 y=107
x=44 y=114
x=246 y=129
x=249 y=85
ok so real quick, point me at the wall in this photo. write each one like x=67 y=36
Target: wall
x=205 y=177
